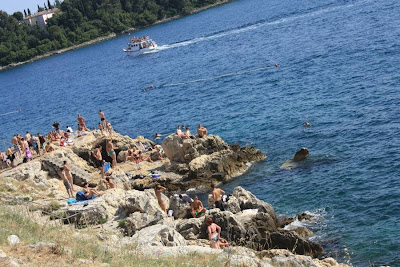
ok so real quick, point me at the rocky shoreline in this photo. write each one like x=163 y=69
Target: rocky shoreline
x=130 y=214
x=108 y=37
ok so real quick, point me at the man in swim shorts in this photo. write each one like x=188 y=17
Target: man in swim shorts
x=217 y=197
x=197 y=207
x=66 y=182
x=98 y=160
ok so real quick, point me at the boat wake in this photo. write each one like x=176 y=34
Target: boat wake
x=259 y=24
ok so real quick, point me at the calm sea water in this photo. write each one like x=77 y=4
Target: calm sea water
x=338 y=68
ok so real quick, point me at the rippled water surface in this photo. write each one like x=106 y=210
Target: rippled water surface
x=338 y=68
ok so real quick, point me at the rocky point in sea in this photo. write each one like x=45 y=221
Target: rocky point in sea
x=130 y=212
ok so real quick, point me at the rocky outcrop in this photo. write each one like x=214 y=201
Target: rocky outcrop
x=248 y=200
x=191 y=228
x=159 y=235
x=181 y=209
x=24 y=171
x=302 y=154
x=208 y=158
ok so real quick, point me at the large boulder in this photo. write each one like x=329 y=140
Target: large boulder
x=24 y=171
x=302 y=154
x=185 y=150
x=180 y=208
x=191 y=228
x=159 y=235
x=248 y=200
x=208 y=158
x=83 y=215
x=232 y=205
x=293 y=242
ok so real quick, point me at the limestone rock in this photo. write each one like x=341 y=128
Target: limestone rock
x=191 y=228
x=248 y=200
x=232 y=205
x=2 y=254
x=93 y=213
x=181 y=209
x=293 y=242
x=159 y=235
x=23 y=171
x=302 y=154
x=208 y=158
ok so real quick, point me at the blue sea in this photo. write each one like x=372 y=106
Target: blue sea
x=338 y=68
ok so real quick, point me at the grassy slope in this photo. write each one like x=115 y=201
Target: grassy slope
x=17 y=220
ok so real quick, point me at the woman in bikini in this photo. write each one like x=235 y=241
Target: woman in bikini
x=111 y=152
x=214 y=234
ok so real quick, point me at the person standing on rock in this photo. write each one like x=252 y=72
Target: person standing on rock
x=67 y=171
x=102 y=121
x=197 y=207
x=217 y=197
x=98 y=160
x=158 y=190
x=66 y=182
x=111 y=152
x=81 y=123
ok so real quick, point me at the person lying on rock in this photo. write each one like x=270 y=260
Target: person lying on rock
x=89 y=192
x=217 y=197
x=158 y=190
x=214 y=235
x=197 y=207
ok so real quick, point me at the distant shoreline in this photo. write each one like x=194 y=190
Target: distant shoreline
x=108 y=37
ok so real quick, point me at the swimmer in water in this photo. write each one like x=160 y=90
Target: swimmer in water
x=306 y=124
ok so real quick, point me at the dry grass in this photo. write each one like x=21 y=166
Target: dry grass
x=71 y=247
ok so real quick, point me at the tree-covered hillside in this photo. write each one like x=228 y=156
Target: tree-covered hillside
x=83 y=20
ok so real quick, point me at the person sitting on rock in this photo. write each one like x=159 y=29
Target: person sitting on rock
x=109 y=182
x=131 y=155
x=179 y=133
x=217 y=197
x=214 y=235
x=48 y=148
x=90 y=192
x=188 y=134
x=143 y=157
x=201 y=131
x=197 y=207
x=158 y=190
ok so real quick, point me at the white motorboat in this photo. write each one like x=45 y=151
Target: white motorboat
x=140 y=45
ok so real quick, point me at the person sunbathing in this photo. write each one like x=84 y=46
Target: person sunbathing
x=188 y=134
x=90 y=192
x=158 y=190
x=109 y=182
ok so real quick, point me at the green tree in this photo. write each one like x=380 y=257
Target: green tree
x=18 y=16
x=49 y=5
x=29 y=12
